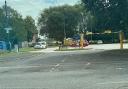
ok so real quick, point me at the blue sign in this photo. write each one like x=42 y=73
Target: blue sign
x=3 y=45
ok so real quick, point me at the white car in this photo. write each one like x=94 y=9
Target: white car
x=99 y=42
x=40 y=46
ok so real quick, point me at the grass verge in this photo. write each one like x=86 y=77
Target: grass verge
x=6 y=53
x=28 y=49
x=66 y=49
x=21 y=50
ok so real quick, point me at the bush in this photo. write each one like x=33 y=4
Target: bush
x=106 y=38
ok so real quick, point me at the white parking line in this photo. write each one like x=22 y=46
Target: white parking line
x=120 y=82
x=88 y=64
x=63 y=61
x=120 y=68
x=57 y=65
x=18 y=67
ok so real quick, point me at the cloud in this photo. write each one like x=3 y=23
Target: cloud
x=33 y=7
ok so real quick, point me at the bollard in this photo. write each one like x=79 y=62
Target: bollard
x=121 y=39
x=82 y=40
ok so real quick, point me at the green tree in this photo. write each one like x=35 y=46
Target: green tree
x=2 y=31
x=56 y=21
x=109 y=14
x=20 y=27
x=30 y=27
x=17 y=24
x=15 y=21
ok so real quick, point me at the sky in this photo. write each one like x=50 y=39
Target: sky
x=34 y=7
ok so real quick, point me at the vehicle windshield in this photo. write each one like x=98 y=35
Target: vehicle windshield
x=43 y=43
x=63 y=44
x=38 y=43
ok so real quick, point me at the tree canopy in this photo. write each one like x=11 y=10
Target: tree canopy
x=109 y=14
x=59 y=21
x=19 y=25
x=30 y=27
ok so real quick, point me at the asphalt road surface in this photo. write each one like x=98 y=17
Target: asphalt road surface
x=89 y=69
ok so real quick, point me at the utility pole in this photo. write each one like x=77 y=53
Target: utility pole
x=7 y=28
x=6 y=13
x=64 y=32
x=64 y=29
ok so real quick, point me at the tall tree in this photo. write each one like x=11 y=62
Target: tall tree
x=59 y=21
x=30 y=27
x=109 y=14
x=2 y=31
x=17 y=23
x=20 y=26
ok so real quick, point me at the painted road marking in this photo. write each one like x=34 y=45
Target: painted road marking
x=63 y=61
x=88 y=64
x=18 y=67
x=120 y=82
x=57 y=65
x=120 y=68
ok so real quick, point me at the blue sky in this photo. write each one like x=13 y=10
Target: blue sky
x=34 y=7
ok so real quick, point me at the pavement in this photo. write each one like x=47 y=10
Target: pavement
x=107 y=46
x=90 y=47
x=48 y=50
x=86 y=69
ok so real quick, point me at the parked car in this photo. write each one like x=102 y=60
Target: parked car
x=92 y=42
x=40 y=45
x=31 y=44
x=86 y=43
x=99 y=42
x=77 y=44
